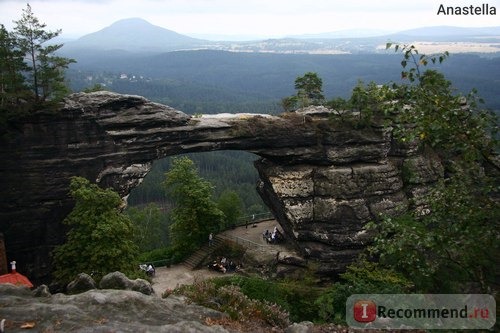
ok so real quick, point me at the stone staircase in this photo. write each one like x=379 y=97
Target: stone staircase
x=197 y=258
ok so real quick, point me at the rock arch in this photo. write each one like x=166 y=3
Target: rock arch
x=323 y=179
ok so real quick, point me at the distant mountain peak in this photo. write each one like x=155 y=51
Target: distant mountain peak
x=131 y=20
x=135 y=23
x=134 y=34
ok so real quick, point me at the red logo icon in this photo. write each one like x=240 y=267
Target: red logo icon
x=365 y=311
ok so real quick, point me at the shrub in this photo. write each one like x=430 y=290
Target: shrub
x=293 y=296
x=232 y=301
x=362 y=277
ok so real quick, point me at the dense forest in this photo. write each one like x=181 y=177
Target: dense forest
x=226 y=170
x=217 y=81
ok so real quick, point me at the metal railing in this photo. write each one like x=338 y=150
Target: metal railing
x=158 y=263
x=243 y=220
x=254 y=218
x=242 y=241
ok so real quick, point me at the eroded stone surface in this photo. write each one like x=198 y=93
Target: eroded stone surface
x=103 y=311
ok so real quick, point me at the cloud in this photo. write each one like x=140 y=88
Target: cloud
x=261 y=17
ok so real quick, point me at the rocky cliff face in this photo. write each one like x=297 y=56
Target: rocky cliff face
x=324 y=208
x=322 y=179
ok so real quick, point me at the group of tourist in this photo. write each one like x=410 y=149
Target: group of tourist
x=272 y=237
x=224 y=265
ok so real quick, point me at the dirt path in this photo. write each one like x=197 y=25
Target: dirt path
x=177 y=275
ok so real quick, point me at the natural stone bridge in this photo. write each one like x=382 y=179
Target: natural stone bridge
x=322 y=179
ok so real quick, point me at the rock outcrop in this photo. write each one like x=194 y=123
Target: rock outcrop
x=115 y=280
x=83 y=282
x=323 y=179
x=118 y=280
x=102 y=311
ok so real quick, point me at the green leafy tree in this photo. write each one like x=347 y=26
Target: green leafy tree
x=370 y=100
x=450 y=123
x=45 y=70
x=100 y=239
x=195 y=214
x=414 y=61
x=453 y=243
x=230 y=204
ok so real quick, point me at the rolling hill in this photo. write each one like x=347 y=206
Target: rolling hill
x=133 y=35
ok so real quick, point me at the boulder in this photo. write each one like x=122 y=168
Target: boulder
x=118 y=280
x=142 y=286
x=42 y=291
x=80 y=284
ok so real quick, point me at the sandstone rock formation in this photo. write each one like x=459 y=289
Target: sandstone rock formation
x=322 y=178
x=102 y=311
x=118 y=280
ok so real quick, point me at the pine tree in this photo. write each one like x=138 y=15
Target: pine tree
x=309 y=89
x=45 y=70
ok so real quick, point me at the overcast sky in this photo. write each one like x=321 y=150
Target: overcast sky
x=265 y=18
